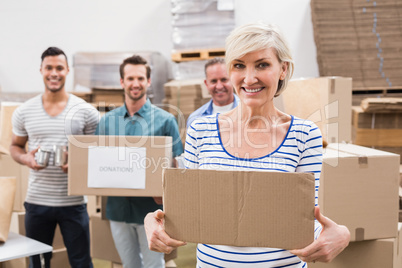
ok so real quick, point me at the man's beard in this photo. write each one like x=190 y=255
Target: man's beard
x=136 y=98
x=54 y=90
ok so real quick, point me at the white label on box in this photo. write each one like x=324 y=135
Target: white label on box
x=116 y=167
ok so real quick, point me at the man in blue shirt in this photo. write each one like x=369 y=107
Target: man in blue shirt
x=219 y=87
x=137 y=117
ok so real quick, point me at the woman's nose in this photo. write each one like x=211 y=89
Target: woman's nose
x=250 y=76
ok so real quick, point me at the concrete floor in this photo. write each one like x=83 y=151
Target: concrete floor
x=185 y=258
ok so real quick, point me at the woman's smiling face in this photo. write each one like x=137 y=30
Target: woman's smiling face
x=256 y=75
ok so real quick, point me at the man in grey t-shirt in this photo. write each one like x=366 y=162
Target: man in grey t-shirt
x=44 y=122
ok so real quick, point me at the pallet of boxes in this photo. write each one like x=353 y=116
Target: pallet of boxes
x=192 y=48
x=358 y=185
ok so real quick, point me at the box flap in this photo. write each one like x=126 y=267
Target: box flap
x=240 y=208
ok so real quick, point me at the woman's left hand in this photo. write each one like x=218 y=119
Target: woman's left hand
x=333 y=240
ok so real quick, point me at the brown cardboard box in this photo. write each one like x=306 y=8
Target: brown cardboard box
x=108 y=96
x=191 y=87
x=377 y=129
x=158 y=156
x=16 y=263
x=239 y=208
x=359 y=189
x=102 y=244
x=384 y=253
x=6 y=113
x=400 y=175
x=60 y=258
x=326 y=101
x=93 y=205
x=8 y=167
x=375 y=105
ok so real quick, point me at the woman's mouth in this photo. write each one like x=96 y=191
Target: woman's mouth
x=252 y=90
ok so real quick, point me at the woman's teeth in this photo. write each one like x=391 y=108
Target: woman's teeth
x=252 y=90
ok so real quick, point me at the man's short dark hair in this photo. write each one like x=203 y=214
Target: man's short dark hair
x=135 y=60
x=213 y=62
x=53 y=51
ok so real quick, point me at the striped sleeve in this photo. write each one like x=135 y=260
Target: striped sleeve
x=91 y=120
x=311 y=162
x=18 y=123
x=191 y=151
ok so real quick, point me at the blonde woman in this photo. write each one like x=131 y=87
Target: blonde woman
x=256 y=136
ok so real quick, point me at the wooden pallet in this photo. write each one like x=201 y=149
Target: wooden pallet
x=379 y=89
x=200 y=54
x=374 y=92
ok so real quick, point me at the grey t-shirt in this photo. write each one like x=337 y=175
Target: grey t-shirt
x=48 y=186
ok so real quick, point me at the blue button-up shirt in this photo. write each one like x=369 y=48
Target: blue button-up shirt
x=207 y=109
x=148 y=121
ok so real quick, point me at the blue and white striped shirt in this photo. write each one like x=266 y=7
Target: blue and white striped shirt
x=300 y=151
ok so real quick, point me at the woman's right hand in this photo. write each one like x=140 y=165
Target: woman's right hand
x=158 y=239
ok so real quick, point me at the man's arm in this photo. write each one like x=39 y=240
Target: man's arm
x=20 y=155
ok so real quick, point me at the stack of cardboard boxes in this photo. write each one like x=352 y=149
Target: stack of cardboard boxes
x=379 y=128
x=8 y=167
x=182 y=97
x=359 y=189
x=358 y=185
x=360 y=39
x=325 y=100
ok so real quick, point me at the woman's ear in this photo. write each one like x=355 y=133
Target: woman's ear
x=285 y=66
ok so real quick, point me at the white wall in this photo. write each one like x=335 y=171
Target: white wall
x=28 y=27
x=294 y=19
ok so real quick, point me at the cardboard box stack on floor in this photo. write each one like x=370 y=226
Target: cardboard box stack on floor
x=182 y=97
x=377 y=123
x=384 y=253
x=360 y=39
x=359 y=189
x=325 y=100
x=8 y=167
x=185 y=96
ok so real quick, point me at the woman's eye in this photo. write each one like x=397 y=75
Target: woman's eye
x=238 y=66
x=263 y=65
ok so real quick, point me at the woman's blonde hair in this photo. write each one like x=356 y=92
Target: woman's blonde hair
x=257 y=36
